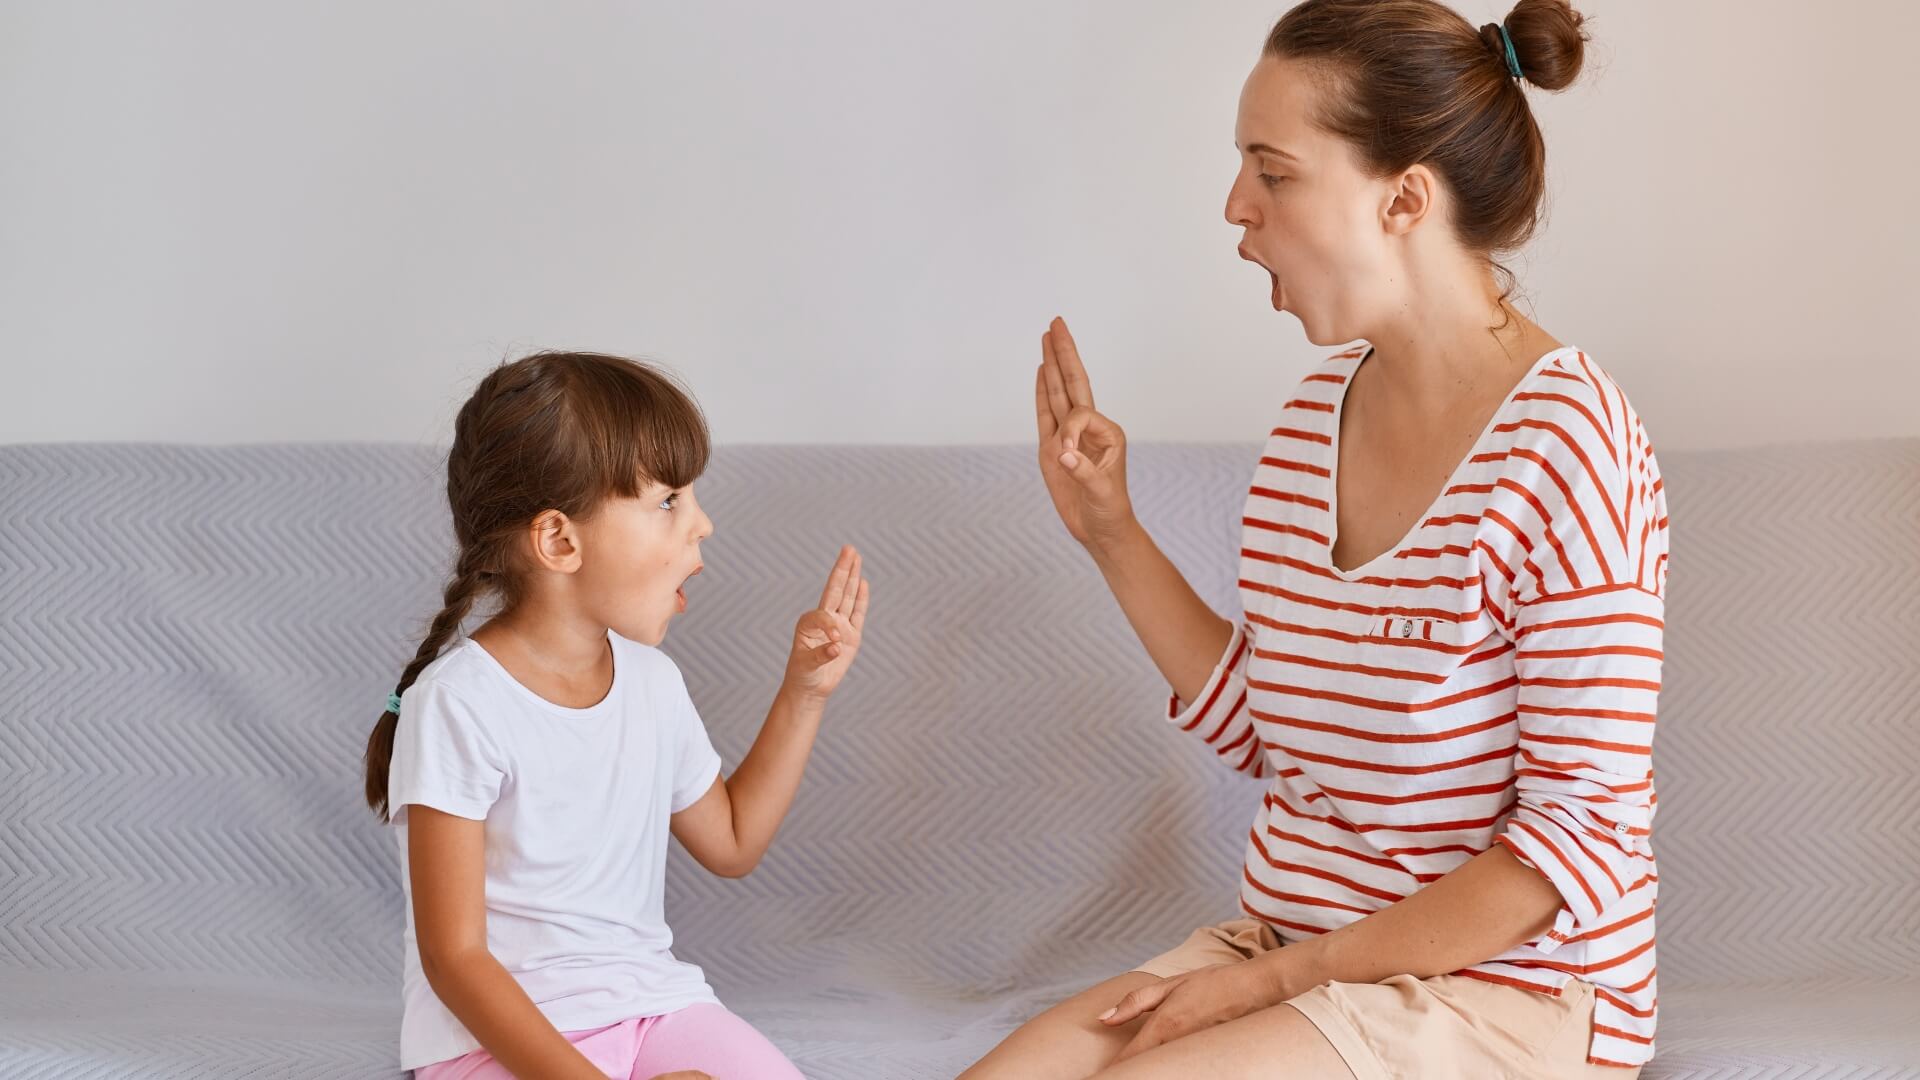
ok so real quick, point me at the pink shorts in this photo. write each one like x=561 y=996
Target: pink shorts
x=705 y=1037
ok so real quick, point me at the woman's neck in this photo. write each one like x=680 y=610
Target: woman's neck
x=1453 y=339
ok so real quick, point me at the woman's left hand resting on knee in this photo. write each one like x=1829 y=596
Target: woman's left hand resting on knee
x=1195 y=1001
x=1483 y=907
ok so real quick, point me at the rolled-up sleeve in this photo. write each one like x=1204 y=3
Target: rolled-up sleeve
x=1589 y=677
x=1218 y=713
x=1575 y=562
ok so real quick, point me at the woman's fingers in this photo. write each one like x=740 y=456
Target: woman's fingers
x=859 y=619
x=1083 y=470
x=1149 y=1036
x=1143 y=1000
x=1072 y=372
x=837 y=581
x=1082 y=422
x=1057 y=399
x=1043 y=411
x=1075 y=425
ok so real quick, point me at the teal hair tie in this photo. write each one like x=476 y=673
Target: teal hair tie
x=1513 y=58
x=393 y=704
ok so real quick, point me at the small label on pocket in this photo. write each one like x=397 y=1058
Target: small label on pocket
x=1397 y=626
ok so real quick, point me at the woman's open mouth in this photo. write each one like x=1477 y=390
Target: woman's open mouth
x=1279 y=295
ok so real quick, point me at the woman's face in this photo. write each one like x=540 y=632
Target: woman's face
x=1311 y=216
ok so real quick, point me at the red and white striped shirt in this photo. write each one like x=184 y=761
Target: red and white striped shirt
x=1492 y=679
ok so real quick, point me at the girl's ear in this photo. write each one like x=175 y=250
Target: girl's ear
x=1410 y=198
x=554 y=539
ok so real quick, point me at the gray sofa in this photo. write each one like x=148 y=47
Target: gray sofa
x=194 y=641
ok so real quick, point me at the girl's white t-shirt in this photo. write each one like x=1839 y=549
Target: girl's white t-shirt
x=576 y=804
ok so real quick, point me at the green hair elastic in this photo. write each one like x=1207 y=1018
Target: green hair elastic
x=1513 y=58
x=393 y=704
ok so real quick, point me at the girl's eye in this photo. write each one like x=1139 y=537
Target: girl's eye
x=670 y=501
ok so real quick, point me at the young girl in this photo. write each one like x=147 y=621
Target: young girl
x=535 y=768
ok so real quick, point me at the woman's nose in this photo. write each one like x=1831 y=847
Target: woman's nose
x=1239 y=210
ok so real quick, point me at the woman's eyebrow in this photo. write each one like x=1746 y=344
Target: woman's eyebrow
x=1263 y=148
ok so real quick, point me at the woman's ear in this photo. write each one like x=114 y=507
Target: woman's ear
x=1410 y=198
x=554 y=539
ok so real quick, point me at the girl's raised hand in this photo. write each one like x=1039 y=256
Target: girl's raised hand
x=826 y=639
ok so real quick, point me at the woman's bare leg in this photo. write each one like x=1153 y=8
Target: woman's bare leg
x=1067 y=1041
x=1274 y=1042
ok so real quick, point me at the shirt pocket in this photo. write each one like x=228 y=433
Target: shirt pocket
x=1427 y=632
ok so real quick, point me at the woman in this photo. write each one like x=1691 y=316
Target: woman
x=1452 y=573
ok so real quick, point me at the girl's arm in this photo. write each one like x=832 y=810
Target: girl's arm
x=730 y=827
x=1083 y=460
x=445 y=854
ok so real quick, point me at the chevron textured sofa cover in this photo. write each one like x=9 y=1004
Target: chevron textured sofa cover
x=194 y=641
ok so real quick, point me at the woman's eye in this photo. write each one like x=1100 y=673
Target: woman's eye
x=1270 y=180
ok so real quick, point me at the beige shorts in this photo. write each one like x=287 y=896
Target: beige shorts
x=1444 y=1027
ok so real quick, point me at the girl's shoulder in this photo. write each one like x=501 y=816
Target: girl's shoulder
x=462 y=669
x=645 y=659
x=647 y=673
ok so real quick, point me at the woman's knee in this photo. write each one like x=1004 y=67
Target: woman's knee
x=1067 y=1040
x=1243 y=1049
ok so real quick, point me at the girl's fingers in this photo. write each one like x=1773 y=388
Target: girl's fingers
x=837 y=581
x=851 y=589
x=1073 y=373
x=859 y=619
x=821 y=623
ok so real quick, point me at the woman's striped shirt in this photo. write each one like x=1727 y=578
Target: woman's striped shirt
x=1492 y=679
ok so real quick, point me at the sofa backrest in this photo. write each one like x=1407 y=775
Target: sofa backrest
x=194 y=642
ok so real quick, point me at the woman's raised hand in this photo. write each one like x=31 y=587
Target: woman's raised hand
x=1083 y=455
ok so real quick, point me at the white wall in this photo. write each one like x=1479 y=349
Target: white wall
x=848 y=220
